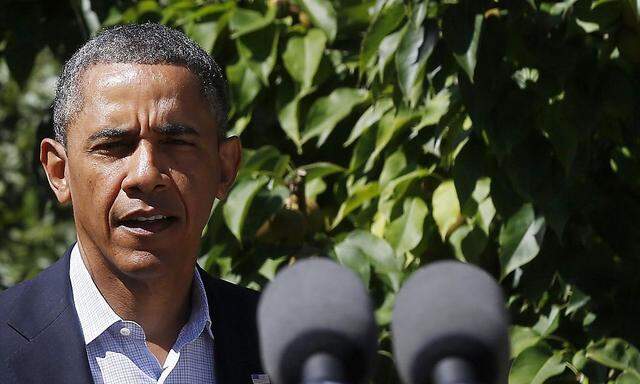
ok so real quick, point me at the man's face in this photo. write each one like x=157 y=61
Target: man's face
x=144 y=165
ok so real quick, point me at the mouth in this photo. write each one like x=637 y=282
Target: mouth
x=147 y=225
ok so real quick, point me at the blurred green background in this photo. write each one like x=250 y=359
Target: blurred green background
x=389 y=134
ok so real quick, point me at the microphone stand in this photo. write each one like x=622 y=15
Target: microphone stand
x=454 y=370
x=323 y=368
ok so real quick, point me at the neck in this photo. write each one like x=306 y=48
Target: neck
x=160 y=304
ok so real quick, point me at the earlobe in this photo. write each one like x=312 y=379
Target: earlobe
x=53 y=158
x=230 y=153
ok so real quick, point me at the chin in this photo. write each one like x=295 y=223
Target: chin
x=143 y=264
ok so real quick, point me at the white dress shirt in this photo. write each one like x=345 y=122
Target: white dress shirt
x=117 y=348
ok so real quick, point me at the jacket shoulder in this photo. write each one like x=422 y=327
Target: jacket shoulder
x=9 y=297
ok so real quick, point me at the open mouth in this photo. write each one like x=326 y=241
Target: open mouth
x=148 y=225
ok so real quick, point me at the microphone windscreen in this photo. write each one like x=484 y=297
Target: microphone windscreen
x=450 y=309
x=316 y=306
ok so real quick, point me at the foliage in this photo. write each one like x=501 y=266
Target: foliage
x=388 y=134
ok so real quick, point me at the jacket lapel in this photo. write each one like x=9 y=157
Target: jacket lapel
x=47 y=319
x=234 y=330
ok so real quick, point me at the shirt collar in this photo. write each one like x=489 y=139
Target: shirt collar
x=96 y=316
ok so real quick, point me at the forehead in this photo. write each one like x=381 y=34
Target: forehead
x=163 y=79
x=124 y=93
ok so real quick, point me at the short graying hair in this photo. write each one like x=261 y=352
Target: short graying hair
x=141 y=44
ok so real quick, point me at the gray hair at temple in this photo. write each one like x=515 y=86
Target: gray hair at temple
x=141 y=44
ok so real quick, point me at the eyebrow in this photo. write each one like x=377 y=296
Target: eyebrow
x=109 y=133
x=171 y=129
x=175 y=129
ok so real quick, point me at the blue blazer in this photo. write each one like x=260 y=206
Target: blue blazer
x=41 y=340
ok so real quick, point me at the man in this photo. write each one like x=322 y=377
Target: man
x=140 y=154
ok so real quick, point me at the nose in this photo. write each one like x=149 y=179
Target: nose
x=144 y=175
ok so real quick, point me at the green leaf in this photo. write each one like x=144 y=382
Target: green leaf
x=303 y=55
x=361 y=248
x=520 y=239
x=522 y=338
x=236 y=207
x=371 y=116
x=287 y=105
x=628 y=377
x=436 y=107
x=322 y=15
x=387 y=49
x=615 y=353
x=416 y=46
x=265 y=159
x=405 y=232
x=206 y=33
x=468 y=168
x=485 y=211
x=363 y=148
x=384 y=23
x=355 y=259
x=390 y=125
x=446 y=209
x=315 y=172
x=394 y=188
x=259 y=50
x=245 y=21
x=468 y=242
x=546 y=325
x=244 y=84
x=326 y=112
x=578 y=300
x=462 y=29
x=393 y=166
x=361 y=194
x=535 y=365
x=320 y=170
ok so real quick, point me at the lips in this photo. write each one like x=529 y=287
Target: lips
x=146 y=223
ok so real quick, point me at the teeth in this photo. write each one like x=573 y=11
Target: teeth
x=156 y=217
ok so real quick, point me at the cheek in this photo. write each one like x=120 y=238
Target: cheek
x=197 y=185
x=95 y=187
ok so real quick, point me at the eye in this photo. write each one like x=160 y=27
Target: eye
x=112 y=148
x=178 y=142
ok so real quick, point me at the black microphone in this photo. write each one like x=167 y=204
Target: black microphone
x=450 y=326
x=316 y=325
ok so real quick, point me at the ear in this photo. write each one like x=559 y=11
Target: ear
x=53 y=158
x=230 y=154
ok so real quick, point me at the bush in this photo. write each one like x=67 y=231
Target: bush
x=387 y=135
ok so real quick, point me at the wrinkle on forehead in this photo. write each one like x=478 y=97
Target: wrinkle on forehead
x=110 y=86
x=118 y=73
x=142 y=96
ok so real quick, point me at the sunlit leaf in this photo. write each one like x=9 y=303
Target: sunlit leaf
x=615 y=353
x=320 y=169
x=520 y=239
x=371 y=116
x=522 y=338
x=384 y=23
x=360 y=195
x=446 y=209
x=245 y=21
x=535 y=365
x=326 y=112
x=462 y=29
x=361 y=249
x=323 y=16
x=244 y=84
x=405 y=232
x=238 y=202
x=302 y=56
x=416 y=46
